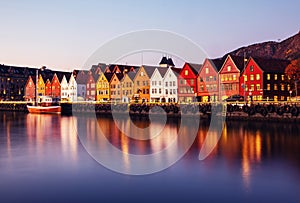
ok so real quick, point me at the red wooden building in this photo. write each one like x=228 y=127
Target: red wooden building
x=187 y=82
x=29 y=90
x=208 y=80
x=264 y=79
x=91 y=86
x=48 y=91
x=229 y=76
x=55 y=87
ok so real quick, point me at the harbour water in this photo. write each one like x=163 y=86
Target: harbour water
x=43 y=158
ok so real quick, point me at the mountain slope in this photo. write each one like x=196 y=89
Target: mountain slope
x=288 y=49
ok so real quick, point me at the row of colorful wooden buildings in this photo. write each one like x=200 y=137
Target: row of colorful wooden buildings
x=214 y=80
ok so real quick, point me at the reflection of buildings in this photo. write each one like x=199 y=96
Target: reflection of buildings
x=46 y=132
x=244 y=144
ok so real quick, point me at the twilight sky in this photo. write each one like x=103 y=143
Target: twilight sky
x=63 y=34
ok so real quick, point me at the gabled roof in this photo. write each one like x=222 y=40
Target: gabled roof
x=239 y=62
x=195 y=67
x=149 y=70
x=131 y=75
x=108 y=76
x=162 y=71
x=82 y=77
x=269 y=65
x=217 y=63
x=119 y=76
x=164 y=60
x=176 y=70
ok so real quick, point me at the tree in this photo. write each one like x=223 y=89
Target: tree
x=293 y=70
x=293 y=73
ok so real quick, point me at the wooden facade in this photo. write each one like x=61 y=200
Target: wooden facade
x=187 y=82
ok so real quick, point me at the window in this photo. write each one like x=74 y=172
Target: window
x=234 y=77
x=246 y=87
x=159 y=83
x=245 y=78
x=192 y=81
x=275 y=76
x=170 y=83
x=166 y=84
x=251 y=77
x=282 y=77
x=251 y=68
x=159 y=90
x=142 y=73
x=228 y=68
x=268 y=76
x=275 y=87
x=268 y=86
x=174 y=84
x=289 y=87
x=138 y=83
x=257 y=87
x=257 y=76
x=186 y=72
x=282 y=87
x=206 y=70
x=252 y=87
x=282 y=98
x=166 y=91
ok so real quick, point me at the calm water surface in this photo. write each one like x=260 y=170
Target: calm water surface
x=43 y=160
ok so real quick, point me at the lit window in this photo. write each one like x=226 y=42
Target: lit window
x=268 y=86
x=282 y=98
x=234 y=77
x=282 y=87
x=275 y=76
x=206 y=70
x=257 y=76
x=246 y=78
x=252 y=87
x=282 y=77
x=275 y=87
x=257 y=87
x=186 y=72
x=268 y=76
x=228 y=68
x=251 y=77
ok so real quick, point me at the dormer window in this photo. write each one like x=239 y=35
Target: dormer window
x=186 y=72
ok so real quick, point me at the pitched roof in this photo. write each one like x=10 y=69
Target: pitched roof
x=195 y=67
x=271 y=65
x=164 y=60
x=108 y=76
x=149 y=70
x=239 y=62
x=217 y=63
x=131 y=75
x=82 y=77
x=162 y=71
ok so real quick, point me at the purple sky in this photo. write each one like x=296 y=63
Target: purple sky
x=62 y=35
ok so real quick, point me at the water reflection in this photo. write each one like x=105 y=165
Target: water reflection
x=252 y=157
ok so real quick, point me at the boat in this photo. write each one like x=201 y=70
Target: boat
x=45 y=105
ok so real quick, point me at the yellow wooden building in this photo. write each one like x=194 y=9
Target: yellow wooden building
x=102 y=87
x=41 y=86
x=127 y=86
